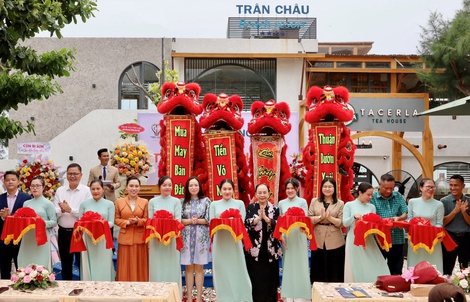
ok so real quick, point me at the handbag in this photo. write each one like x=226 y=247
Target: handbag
x=392 y=283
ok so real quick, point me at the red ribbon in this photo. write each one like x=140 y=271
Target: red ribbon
x=94 y=226
x=425 y=236
x=371 y=225
x=295 y=217
x=164 y=227
x=16 y=226
x=236 y=228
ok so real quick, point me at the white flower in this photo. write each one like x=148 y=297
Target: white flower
x=33 y=274
x=45 y=272
x=463 y=283
x=21 y=275
x=466 y=271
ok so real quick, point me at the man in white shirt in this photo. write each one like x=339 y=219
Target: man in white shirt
x=67 y=202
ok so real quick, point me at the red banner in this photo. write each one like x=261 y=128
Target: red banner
x=180 y=152
x=221 y=161
x=326 y=138
x=267 y=162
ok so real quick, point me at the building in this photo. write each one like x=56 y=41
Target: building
x=98 y=96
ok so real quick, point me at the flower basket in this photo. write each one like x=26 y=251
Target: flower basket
x=29 y=167
x=32 y=277
x=131 y=159
x=461 y=278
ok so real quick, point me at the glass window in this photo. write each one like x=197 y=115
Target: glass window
x=317 y=64
x=252 y=80
x=377 y=64
x=338 y=79
x=131 y=97
x=318 y=79
x=348 y=64
x=409 y=65
x=442 y=174
x=355 y=82
x=410 y=83
x=379 y=82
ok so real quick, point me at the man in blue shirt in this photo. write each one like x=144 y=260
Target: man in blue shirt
x=391 y=204
x=457 y=224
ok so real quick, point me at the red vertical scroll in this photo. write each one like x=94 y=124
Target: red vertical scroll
x=221 y=159
x=180 y=152
x=326 y=138
x=267 y=162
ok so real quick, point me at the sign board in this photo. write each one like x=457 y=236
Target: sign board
x=34 y=148
x=131 y=128
x=387 y=114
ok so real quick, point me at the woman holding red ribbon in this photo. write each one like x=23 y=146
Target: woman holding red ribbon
x=164 y=260
x=433 y=210
x=262 y=260
x=196 y=249
x=231 y=279
x=358 y=256
x=295 y=276
x=131 y=216
x=326 y=212
x=97 y=260
x=30 y=252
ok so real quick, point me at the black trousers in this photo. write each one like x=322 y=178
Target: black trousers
x=394 y=258
x=66 y=258
x=462 y=251
x=8 y=252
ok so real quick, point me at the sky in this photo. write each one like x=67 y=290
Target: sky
x=393 y=25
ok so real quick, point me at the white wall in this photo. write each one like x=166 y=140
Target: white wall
x=241 y=46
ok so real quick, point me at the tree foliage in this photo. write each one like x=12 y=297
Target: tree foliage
x=25 y=75
x=445 y=49
x=154 y=90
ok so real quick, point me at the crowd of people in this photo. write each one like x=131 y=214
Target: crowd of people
x=239 y=275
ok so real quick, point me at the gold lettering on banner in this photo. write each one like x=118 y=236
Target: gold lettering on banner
x=218 y=190
x=220 y=150
x=221 y=170
x=329 y=175
x=179 y=170
x=266 y=153
x=327 y=159
x=179 y=189
x=265 y=172
x=180 y=152
x=329 y=139
x=181 y=132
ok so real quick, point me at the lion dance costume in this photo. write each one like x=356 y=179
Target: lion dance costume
x=181 y=143
x=267 y=128
x=225 y=157
x=330 y=150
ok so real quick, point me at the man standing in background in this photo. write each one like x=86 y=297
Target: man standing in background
x=10 y=201
x=457 y=224
x=108 y=174
x=67 y=202
x=391 y=204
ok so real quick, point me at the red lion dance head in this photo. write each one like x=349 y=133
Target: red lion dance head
x=225 y=113
x=180 y=98
x=222 y=112
x=271 y=119
x=330 y=105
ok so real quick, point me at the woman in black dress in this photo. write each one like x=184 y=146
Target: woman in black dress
x=262 y=259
